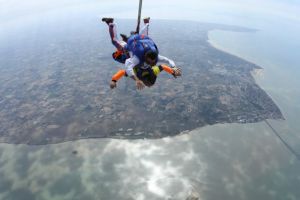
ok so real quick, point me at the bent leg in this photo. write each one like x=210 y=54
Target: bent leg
x=145 y=29
x=114 y=37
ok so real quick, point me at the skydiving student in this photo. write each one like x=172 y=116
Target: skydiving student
x=142 y=51
x=148 y=76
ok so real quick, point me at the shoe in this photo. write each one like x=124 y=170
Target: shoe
x=146 y=20
x=133 y=32
x=124 y=37
x=108 y=20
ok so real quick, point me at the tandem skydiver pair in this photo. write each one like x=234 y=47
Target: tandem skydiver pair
x=140 y=55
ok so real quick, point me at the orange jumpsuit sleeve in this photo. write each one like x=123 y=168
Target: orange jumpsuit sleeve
x=167 y=69
x=118 y=75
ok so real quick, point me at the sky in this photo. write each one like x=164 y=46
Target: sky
x=217 y=11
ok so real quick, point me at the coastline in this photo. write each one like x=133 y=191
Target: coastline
x=257 y=73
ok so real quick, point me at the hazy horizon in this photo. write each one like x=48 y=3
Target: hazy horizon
x=233 y=12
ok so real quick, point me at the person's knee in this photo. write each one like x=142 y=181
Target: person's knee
x=114 y=42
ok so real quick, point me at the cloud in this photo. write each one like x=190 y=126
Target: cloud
x=230 y=161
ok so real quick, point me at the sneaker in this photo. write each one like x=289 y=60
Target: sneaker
x=133 y=32
x=124 y=37
x=108 y=20
x=146 y=20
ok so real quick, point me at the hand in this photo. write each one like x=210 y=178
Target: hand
x=177 y=72
x=113 y=84
x=139 y=84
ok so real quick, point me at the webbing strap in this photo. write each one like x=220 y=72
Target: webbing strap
x=139 y=17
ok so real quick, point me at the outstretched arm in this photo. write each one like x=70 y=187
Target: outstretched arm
x=117 y=76
x=166 y=60
x=174 y=71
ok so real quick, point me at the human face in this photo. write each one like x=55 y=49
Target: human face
x=150 y=62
